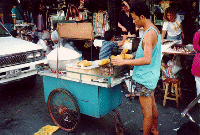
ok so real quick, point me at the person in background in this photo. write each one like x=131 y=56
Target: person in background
x=18 y=13
x=146 y=70
x=172 y=25
x=41 y=17
x=109 y=44
x=196 y=62
x=125 y=20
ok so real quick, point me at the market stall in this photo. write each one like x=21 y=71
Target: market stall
x=177 y=61
x=173 y=47
x=72 y=87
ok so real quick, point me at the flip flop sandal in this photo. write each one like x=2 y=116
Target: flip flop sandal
x=141 y=130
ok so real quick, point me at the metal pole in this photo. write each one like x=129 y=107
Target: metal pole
x=58 y=45
x=190 y=106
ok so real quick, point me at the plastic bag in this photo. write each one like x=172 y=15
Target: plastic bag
x=175 y=69
x=47 y=130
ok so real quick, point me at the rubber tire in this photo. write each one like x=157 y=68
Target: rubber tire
x=60 y=112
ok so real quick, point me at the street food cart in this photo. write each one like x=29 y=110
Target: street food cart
x=94 y=90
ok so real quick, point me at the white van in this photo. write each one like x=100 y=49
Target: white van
x=18 y=58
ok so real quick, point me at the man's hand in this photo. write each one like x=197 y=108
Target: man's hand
x=117 y=61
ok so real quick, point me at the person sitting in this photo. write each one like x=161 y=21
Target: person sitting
x=109 y=44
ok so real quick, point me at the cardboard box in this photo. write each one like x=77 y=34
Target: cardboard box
x=76 y=30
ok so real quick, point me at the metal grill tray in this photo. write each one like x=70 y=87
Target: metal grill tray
x=94 y=65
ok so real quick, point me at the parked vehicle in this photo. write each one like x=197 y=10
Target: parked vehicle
x=18 y=58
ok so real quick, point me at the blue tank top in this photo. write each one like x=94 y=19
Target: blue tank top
x=148 y=75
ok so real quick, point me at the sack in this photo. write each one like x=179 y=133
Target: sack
x=174 y=65
x=175 y=69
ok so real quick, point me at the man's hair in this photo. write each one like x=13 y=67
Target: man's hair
x=170 y=10
x=139 y=9
x=108 y=35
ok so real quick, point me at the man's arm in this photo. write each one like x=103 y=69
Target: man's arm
x=148 y=43
x=122 y=27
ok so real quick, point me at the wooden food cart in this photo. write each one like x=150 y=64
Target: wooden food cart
x=78 y=90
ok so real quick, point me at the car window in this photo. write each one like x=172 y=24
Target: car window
x=3 y=31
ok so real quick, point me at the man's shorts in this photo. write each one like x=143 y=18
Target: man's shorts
x=141 y=90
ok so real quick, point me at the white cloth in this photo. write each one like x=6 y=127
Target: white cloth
x=54 y=36
x=42 y=44
x=173 y=28
x=63 y=54
x=69 y=46
x=98 y=42
x=197 y=80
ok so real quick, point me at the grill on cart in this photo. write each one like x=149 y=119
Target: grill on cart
x=109 y=70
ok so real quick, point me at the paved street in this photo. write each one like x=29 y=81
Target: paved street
x=23 y=111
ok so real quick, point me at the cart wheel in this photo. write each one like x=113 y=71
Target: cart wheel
x=63 y=109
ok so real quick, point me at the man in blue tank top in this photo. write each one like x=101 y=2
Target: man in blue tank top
x=147 y=65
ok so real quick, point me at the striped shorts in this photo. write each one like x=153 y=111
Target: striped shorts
x=141 y=90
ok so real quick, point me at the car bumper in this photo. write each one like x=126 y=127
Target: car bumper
x=28 y=69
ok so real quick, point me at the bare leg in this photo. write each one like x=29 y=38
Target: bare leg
x=146 y=105
x=154 y=129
